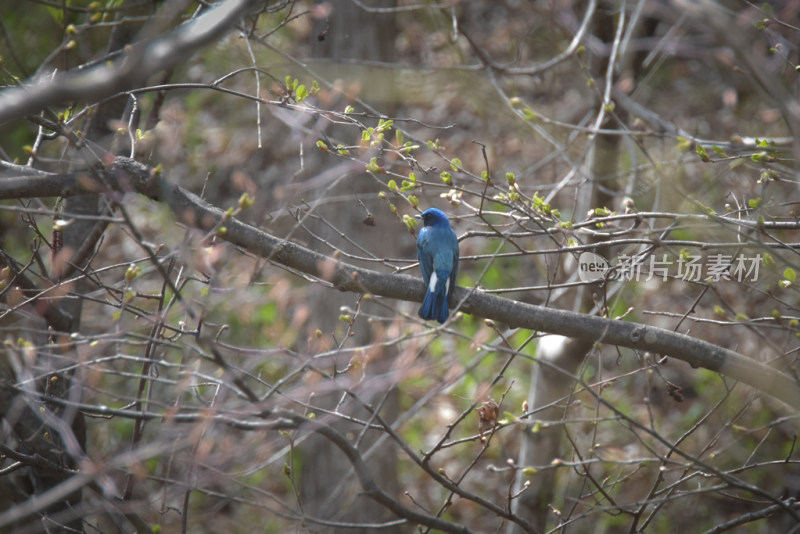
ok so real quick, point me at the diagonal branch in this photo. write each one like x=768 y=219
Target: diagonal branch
x=193 y=211
x=141 y=61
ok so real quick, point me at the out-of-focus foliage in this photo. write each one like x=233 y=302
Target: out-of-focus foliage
x=650 y=140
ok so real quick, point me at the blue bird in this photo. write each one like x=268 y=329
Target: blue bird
x=437 y=251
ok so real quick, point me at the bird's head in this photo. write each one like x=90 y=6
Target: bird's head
x=433 y=217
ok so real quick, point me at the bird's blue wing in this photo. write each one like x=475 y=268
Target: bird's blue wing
x=425 y=255
x=444 y=244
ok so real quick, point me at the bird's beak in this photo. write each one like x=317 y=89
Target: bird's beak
x=418 y=216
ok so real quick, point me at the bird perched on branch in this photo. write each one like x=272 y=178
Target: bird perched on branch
x=437 y=250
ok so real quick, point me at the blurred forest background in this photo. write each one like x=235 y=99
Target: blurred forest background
x=208 y=279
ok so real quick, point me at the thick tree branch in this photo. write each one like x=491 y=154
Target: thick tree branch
x=193 y=211
x=131 y=70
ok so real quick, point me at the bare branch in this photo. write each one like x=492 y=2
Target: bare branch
x=193 y=211
x=131 y=70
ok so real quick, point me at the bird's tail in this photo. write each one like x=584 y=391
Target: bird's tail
x=434 y=306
